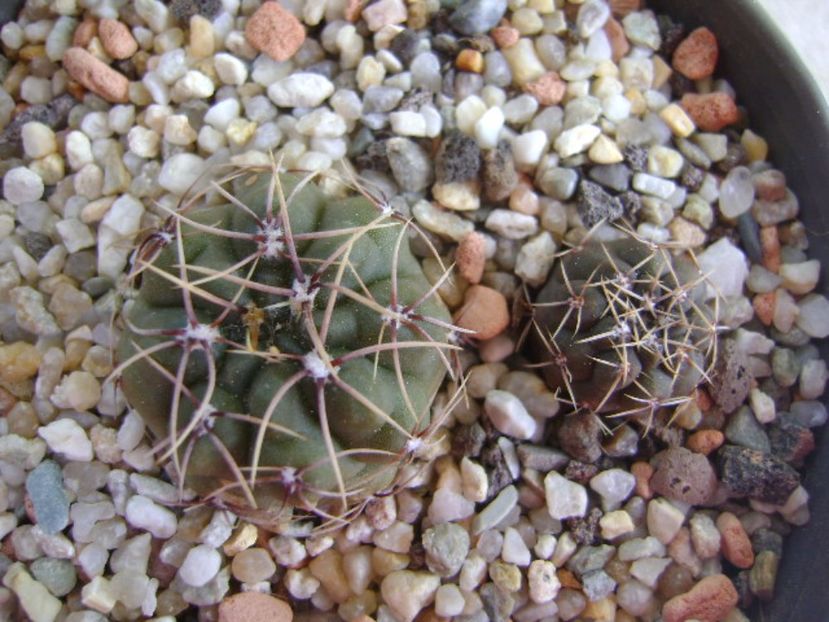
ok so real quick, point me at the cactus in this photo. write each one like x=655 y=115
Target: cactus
x=284 y=346
x=622 y=328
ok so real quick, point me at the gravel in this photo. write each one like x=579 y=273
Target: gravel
x=506 y=147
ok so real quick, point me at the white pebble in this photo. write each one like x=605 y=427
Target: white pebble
x=576 y=140
x=38 y=140
x=528 y=148
x=177 y=130
x=613 y=485
x=36 y=90
x=535 y=258
x=230 y=69
x=301 y=90
x=509 y=415
x=449 y=600
x=514 y=550
x=408 y=123
x=654 y=186
x=322 y=123
x=488 y=128
x=121 y=118
x=193 y=85
x=565 y=499
x=220 y=114
x=67 y=438
x=813 y=315
x=21 y=185
x=722 y=282
x=144 y=513
x=201 y=564
x=736 y=192
x=143 y=142
x=664 y=519
x=511 y=225
x=180 y=172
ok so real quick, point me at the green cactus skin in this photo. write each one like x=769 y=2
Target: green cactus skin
x=621 y=328
x=285 y=346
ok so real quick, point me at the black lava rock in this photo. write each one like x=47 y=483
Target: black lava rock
x=750 y=473
x=499 y=177
x=458 y=159
x=636 y=157
x=790 y=441
x=183 y=10
x=596 y=204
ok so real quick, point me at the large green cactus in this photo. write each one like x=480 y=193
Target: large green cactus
x=285 y=345
x=622 y=327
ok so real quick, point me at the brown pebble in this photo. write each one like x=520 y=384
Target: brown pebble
x=568 y=579
x=770 y=185
x=711 y=112
x=117 y=39
x=496 y=349
x=704 y=401
x=85 y=32
x=696 y=55
x=275 y=31
x=643 y=472
x=469 y=258
x=505 y=36
x=549 y=89
x=484 y=312
x=619 y=44
x=254 y=607
x=735 y=544
x=683 y=475
x=96 y=76
x=620 y=8
x=770 y=243
x=705 y=441
x=764 y=305
x=353 y=10
x=710 y=600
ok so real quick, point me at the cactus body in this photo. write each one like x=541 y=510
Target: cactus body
x=284 y=345
x=622 y=328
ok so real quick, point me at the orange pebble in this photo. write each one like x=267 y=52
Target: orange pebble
x=736 y=545
x=696 y=56
x=711 y=112
x=470 y=60
x=770 y=243
x=705 y=441
x=764 y=307
x=549 y=89
x=505 y=36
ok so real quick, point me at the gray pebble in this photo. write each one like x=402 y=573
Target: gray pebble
x=410 y=164
x=597 y=585
x=743 y=429
x=446 y=547
x=58 y=575
x=785 y=366
x=44 y=486
x=590 y=558
x=613 y=176
x=475 y=17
